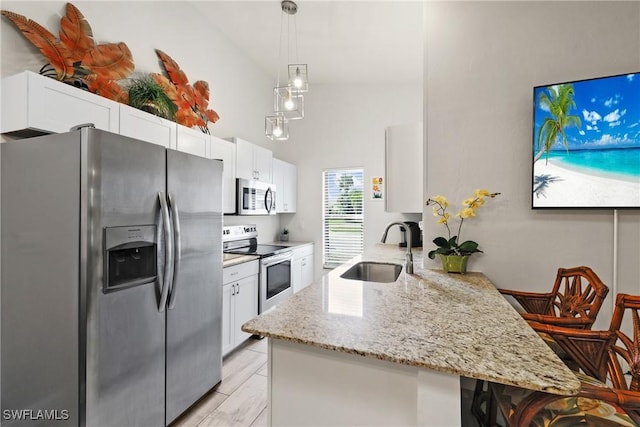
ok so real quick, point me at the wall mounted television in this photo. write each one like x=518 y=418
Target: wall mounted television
x=586 y=143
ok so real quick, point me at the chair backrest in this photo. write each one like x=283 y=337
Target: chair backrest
x=579 y=293
x=611 y=356
x=624 y=354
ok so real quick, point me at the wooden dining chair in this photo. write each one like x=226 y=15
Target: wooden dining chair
x=609 y=363
x=574 y=302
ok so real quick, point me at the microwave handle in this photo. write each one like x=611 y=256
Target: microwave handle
x=268 y=200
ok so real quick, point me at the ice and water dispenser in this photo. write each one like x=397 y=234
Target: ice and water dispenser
x=130 y=256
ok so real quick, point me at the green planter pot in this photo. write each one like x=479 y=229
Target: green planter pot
x=454 y=263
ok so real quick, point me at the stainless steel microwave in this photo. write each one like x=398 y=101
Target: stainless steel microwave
x=255 y=197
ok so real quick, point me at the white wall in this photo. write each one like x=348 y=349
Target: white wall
x=483 y=59
x=345 y=127
x=240 y=90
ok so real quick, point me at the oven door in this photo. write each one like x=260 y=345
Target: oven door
x=275 y=280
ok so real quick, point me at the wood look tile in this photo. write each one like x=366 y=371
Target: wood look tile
x=242 y=407
x=189 y=419
x=262 y=420
x=264 y=370
x=207 y=405
x=260 y=345
x=238 y=367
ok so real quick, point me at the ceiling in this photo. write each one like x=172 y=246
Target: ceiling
x=342 y=42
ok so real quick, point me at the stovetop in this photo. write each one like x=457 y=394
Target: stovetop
x=243 y=240
x=260 y=250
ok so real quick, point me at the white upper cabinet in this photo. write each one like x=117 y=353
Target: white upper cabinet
x=404 y=167
x=253 y=161
x=34 y=104
x=193 y=141
x=285 y=177
x=147 y=127
x=226 y=151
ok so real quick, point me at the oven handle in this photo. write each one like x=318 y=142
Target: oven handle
x=275 y=259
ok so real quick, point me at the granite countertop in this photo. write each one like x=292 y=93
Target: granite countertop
x=229 y=260
x=457 y=324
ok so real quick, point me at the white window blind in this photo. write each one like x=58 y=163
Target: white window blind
x=342 y=215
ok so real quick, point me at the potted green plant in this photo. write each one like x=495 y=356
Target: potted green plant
x=284 y=236
x=454 y=255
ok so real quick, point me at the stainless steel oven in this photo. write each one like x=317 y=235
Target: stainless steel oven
x=275 y=263
x=275 y=280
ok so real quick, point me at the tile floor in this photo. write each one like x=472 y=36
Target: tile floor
x=241 y=399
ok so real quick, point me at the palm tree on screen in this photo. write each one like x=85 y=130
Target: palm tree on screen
x=558 y=100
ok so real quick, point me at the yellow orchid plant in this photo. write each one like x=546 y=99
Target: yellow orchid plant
x=450 y=246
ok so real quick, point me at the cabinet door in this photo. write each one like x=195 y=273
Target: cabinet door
x=225 y=150
x=147 y=127
x=291 y=187
x=404 y=167
x=306 y=271
x=278 y=174
x=262 y=163
x=244 y=159
x=296 y=274
x=31 y=102
x=192 y=141
x=227 y=318
x=246 y=305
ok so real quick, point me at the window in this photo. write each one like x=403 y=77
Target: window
x=342 y=215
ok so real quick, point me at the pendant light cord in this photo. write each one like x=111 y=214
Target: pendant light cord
x=279 y=49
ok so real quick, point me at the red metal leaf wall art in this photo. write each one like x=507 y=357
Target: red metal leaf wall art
x=192 y=101
x=76 y=58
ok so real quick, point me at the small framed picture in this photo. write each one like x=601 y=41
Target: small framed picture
x=377 y=188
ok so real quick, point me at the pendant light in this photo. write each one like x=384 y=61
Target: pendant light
x=276 y=127
x=288 y=101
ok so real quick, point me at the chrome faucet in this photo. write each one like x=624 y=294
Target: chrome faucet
x=409 y=256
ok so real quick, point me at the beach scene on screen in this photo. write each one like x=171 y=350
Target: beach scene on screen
x=586 y=144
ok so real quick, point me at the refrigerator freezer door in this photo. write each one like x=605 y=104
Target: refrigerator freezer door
x=125 y=334
x=194 y=341
x=40 y=281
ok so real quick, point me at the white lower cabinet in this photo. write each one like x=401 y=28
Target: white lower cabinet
x=239 y=302
x=302 y=267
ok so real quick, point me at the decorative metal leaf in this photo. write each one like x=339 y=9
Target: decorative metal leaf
x=212 y=116
x=75 y=33
x=171 y=90
x=192 y=101
x=111 y=61
x=186 y=118
x=177 y=76
x=202 y=94
x=56 y=53
x=107 y=88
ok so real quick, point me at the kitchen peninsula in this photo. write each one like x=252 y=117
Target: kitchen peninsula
x=349 y=352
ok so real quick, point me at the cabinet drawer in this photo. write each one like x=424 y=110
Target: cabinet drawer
x=303 y=251
x=239 y=271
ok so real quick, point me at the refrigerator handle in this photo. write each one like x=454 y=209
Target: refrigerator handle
x=177 y=249
x=168 y=252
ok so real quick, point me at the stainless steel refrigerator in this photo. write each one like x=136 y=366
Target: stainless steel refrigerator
x=111 y=280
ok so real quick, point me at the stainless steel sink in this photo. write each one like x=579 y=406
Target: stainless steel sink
x=373 y=272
